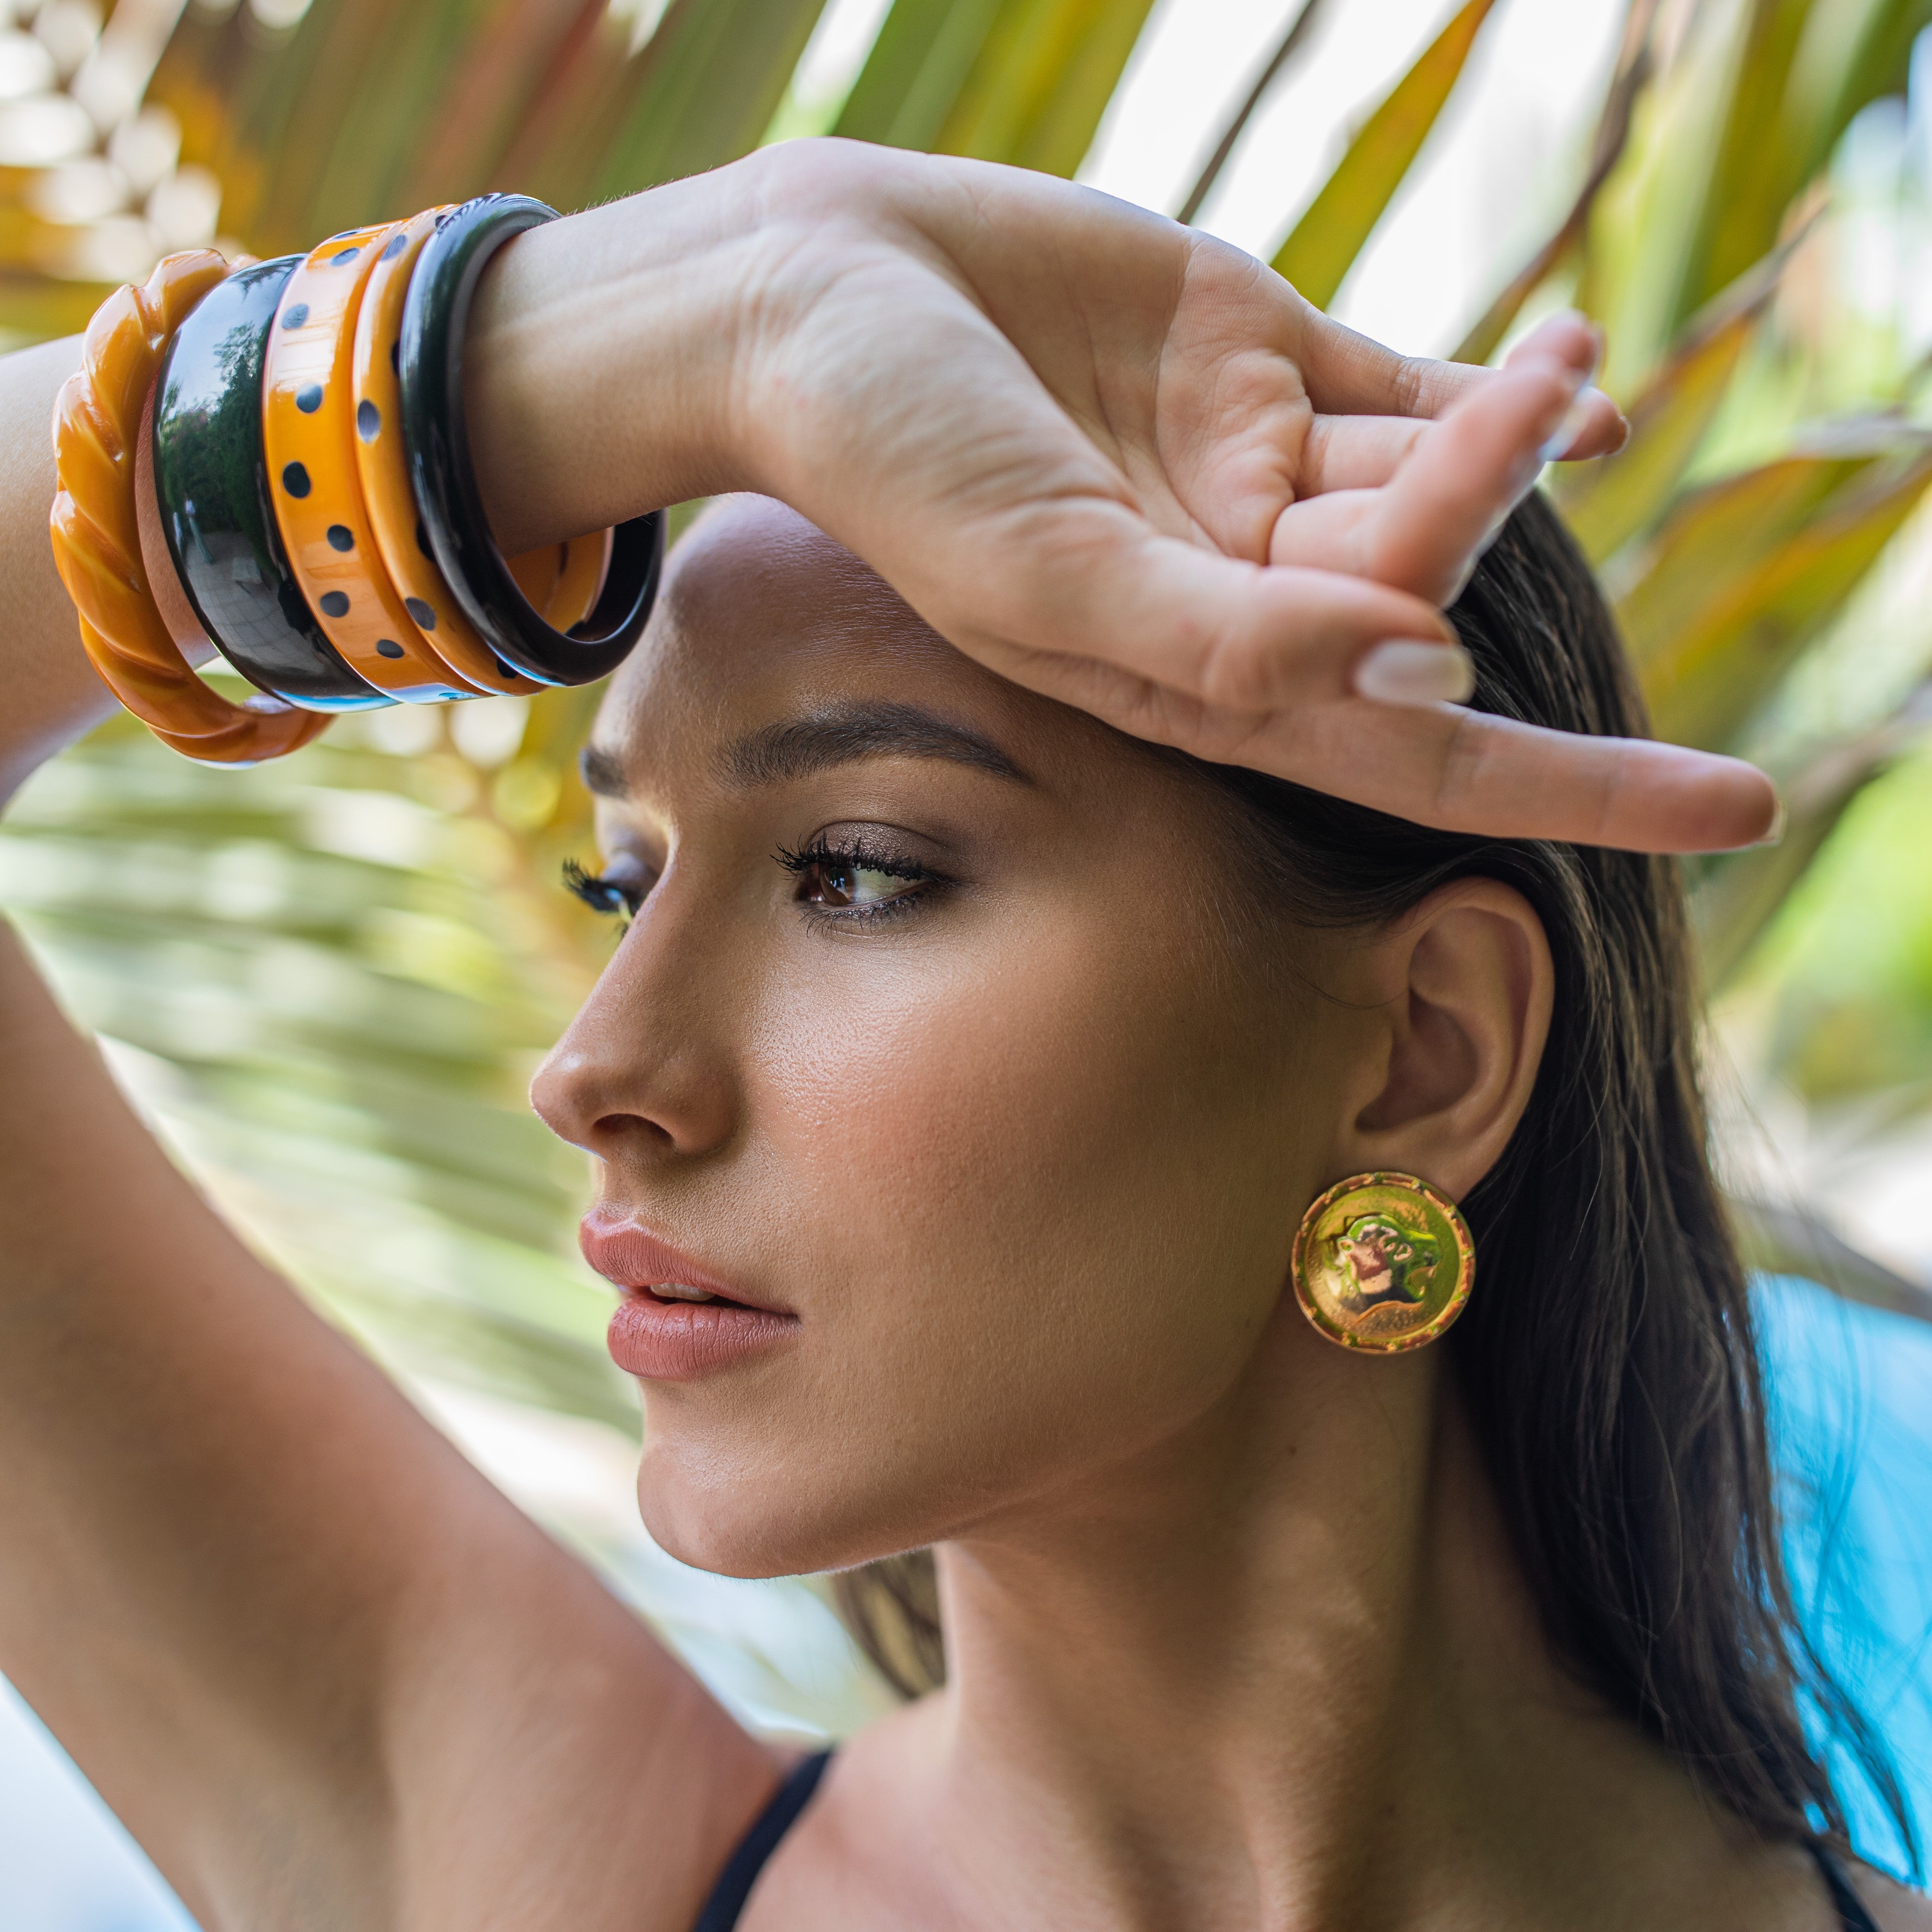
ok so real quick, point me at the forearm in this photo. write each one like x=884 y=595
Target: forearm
x=300 y=1646
x=599 y=363
x=51 y=695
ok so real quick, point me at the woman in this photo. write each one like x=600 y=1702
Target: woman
x=958 y=1089
x=1381 y=1256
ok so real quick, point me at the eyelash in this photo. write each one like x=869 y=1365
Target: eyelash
x=613 y=898
x=861 y=853
x=601 y=894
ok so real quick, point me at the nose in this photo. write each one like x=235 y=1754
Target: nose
x=644 y=1072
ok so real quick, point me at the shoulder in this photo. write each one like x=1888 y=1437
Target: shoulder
x=1896 y=1908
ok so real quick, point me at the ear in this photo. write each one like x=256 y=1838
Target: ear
x=1461 y=989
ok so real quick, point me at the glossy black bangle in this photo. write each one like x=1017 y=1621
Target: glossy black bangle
x=211 y=480
x=429 y=370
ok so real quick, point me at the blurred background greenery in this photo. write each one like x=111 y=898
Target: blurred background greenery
x=326 y=981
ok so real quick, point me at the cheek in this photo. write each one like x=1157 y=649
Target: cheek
x=1030 y=1195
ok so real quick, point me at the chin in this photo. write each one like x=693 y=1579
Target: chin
x=738 y=1521
x=740 y=1508
x=749 y=1543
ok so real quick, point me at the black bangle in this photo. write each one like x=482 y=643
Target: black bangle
x=211 y=480
x=430 y=368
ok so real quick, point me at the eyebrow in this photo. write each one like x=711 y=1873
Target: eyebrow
x=603 y=772
x=798 y=747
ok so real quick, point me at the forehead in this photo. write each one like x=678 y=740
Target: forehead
x=764 y=620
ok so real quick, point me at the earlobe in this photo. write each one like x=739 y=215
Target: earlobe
x=1469 y=986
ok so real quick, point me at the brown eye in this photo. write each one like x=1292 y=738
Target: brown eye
x=844 y=882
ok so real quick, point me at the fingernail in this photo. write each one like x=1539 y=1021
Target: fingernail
x=1400 y=672
x=1587 y=373
x=1567 y=432
x=1777 y=831
x=1596 y=349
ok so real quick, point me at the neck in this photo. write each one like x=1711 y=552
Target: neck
x=1283 y=1671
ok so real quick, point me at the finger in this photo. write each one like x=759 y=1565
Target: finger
x=1349 y=374
x=1086 y=579
x=1354 y=452
x=1363 y=452
x=1456 y=770
x=1466 y=771
x=1423 y=530
x=1523 y=781
x=1594 y=426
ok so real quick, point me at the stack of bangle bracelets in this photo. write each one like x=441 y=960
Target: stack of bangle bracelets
x=274 y=461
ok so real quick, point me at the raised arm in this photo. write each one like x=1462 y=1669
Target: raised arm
x=324 y=1671
x=1111 y=458
x=322 y=1668
x=51 y=694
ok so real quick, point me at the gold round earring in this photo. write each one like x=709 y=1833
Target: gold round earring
x=1383 y=1263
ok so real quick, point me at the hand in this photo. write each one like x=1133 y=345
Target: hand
x=1116 y=460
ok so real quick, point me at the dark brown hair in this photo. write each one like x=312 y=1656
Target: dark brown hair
x=1608 y=1356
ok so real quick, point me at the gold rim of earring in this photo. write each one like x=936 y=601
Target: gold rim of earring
x=1383 y=1264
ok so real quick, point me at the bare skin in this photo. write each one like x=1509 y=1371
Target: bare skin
x=1216 y=1593
x=1070 y=435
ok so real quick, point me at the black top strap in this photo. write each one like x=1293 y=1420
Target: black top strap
x=1852 y=1916
x=721 y=1910
x=735 y=1882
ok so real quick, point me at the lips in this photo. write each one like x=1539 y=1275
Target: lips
x=663 y=1330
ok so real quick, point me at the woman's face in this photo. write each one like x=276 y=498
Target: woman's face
x=1373 y=1256
x=936 y=1037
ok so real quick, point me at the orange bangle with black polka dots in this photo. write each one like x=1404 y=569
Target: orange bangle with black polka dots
x=308 y=432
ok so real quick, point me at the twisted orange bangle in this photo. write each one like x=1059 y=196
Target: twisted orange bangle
x=96 y=531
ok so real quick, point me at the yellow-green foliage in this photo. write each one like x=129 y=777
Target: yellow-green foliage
x=331 y=979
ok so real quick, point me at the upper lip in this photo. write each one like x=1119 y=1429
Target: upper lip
x=633 y=1257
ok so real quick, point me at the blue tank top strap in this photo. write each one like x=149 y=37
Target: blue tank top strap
x=736 y=1881
x=1852 y=1916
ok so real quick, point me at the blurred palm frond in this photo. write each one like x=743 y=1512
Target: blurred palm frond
x=329 y=980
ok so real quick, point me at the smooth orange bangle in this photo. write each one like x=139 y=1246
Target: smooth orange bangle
x=580 y=580
x=96 y=530
x=308 y=433
x=563 y=580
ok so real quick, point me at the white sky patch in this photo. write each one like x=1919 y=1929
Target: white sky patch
x=837 y=50
x=1499 y=167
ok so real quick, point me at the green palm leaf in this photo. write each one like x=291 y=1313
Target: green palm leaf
x=1307 y=17
x=1750 y=571
x=1803 y=71
x=1608 y=502
x=1019 y=81
x=1614 y=500
x=331 y=980
x=702 y=92
x=1322 y=246
x=1739 y=895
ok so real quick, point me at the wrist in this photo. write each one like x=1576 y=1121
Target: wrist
x=599 y=368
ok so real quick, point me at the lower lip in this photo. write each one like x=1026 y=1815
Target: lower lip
x=662 y=1341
